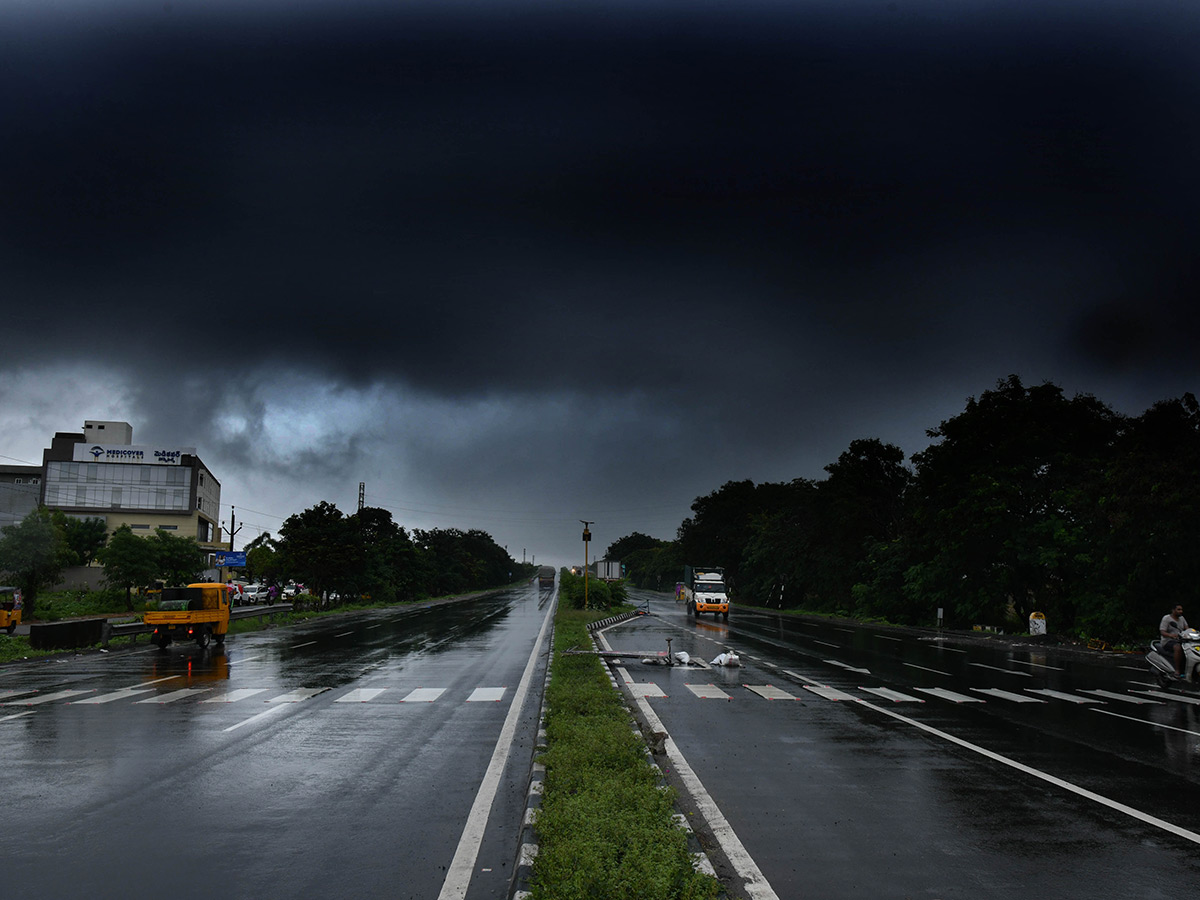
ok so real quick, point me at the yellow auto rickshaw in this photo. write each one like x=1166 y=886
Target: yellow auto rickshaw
x=10 y=609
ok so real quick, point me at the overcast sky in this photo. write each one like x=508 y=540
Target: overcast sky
x=516 y=264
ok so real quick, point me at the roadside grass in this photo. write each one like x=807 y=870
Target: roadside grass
x=605 y=827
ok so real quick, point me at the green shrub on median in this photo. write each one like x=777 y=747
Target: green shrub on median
x=605 y=828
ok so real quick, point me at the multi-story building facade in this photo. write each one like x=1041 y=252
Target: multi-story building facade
x=20 y=492
x=101 y=472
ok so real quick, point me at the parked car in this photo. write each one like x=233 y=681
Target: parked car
x=255 y=593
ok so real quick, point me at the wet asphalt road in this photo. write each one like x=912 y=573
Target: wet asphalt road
x=339 y=758
x=931 y=770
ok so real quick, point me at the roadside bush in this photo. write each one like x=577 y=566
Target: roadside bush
x=600 y=594
x=605 y=827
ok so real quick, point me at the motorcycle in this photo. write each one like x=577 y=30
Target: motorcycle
x=1163 y=666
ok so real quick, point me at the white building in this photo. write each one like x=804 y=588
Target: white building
x=101 y=472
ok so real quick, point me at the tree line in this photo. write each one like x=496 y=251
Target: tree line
x=331 y=554
x=1025 y=501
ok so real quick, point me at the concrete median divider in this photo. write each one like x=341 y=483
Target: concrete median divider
x=66 y=635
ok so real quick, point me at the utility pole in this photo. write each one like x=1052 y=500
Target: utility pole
x=362 y=495
x=232 y=523
x=587 y=536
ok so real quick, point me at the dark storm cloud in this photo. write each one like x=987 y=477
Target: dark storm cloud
x=772 y=214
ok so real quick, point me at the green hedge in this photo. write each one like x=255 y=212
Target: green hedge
x=605 y=827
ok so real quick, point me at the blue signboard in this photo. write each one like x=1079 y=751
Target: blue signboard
x=234 y=559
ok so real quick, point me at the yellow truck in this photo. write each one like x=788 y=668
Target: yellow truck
x=10 y=609
x=198 y=612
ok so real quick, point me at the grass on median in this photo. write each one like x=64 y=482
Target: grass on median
x=605 y=827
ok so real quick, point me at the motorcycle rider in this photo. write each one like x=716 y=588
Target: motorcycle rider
x=1172 y=625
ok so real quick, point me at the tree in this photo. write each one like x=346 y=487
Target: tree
x=82 y=538
x=319 y=549
x=32 y=552
x=129 y=562
x=1001 y=510
x=180 y=559
x=263 y=559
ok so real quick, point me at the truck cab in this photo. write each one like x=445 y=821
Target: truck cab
x=704 y=591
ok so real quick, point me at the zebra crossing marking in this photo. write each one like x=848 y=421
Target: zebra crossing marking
x=123 y=694
x=39 y=699
x=235 y=695
x=1007 y=695
x=708 y=692
x=1061 y=695
x=298 y=695
x=829 y=693
x=360 y=695
x=769 y=692
x=950 y=695
x=646 y=689
x=172 y=696
x=889 y=694
x=486 y=695
x=423 y=695
x=1124 y=698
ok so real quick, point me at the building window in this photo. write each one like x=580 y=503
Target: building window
x=140 y=527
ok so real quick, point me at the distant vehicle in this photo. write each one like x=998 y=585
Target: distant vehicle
x=608 y=570
x=704 y=591
x=10 y=612
x=290 y=591
x=545 y=577
x=255 y=593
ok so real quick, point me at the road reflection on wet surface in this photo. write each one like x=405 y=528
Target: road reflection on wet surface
x=339 y=757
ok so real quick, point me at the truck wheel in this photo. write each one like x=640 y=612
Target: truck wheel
x=162 y=640
x=12 y=628
x=203 y=638
x=725 y=616
x=220 y=638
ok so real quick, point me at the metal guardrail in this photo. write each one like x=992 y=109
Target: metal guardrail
x=122 y=629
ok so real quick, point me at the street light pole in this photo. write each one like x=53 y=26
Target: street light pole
x=587 y=536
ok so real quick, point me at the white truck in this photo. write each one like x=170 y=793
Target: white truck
x=704 y=591
x=608 y=570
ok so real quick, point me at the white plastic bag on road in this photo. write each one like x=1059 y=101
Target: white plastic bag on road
x=728 y=658
x=681 y=658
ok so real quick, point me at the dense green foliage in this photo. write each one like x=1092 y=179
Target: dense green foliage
x=1026 y=501
x=605 y=826
x=594 y=594
x=368 y=554
x=33 y=554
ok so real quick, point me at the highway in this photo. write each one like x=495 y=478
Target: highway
x=848 y=761
x=376 y=754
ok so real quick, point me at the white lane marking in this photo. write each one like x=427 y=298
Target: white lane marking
x=889 y=694
x=157 y=681
x=46 y=698
x=756 y=884
x=247 y=659
x=255 y=718
x=487 y=695
x=825 y=644
x=647 y=689
x=1146 y=722
x=235 y=695
x=708 y=692
x=829 y=693
x=1165 y=696
x=16 y=716
x=799 y=677
x=360 y=695
x=998 y=669
x=123 y=694
x=298 y=695
x=950 y=695
x=343 y=634
x=423 y=695
x=1057 y=782
x=884 y=637
x=769 y=692
x=17 y=693
x=924 y=669
x=1025 y=662
x=1124 y=698
x=1007 y=695
x=306 y=644
x=834 y=662
x=181 y=694
x=937 y=643
x=458 y=876
x=1061 y=695
x=380 y=625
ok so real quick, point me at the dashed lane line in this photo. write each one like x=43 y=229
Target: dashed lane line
x=1145 y=818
